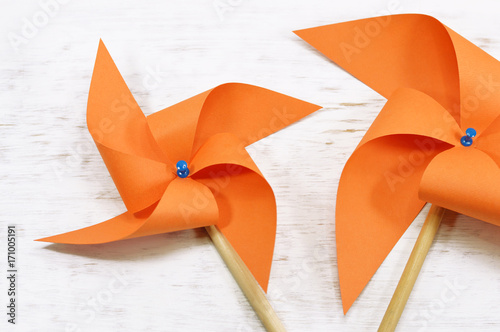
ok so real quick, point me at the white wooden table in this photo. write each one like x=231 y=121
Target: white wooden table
x=53 y=179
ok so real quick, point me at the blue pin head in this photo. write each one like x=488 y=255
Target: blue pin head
x=470 y=132
x=466 y=140
x=182 y=169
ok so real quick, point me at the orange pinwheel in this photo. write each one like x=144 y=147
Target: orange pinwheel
x=186 y=166
x=436 y=140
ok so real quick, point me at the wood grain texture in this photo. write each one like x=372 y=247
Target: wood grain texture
x=53 y=179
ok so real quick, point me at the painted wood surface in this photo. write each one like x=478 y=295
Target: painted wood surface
x=53 y=179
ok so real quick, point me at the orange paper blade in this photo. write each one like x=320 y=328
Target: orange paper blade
x=179 y=207
x=478 y=191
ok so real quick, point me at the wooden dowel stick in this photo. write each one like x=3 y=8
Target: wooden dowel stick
x=412 y=269
x=246 y=281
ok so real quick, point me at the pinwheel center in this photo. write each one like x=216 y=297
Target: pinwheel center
x=182 y=169
x=466 y=140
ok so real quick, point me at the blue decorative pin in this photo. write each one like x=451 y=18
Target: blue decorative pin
x=466 y=140
x=182 y=169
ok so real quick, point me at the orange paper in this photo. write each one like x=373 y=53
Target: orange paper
x=438 y=84
x=210 y=132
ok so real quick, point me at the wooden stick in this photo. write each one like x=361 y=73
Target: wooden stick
x=412 y=269
x=246 y=281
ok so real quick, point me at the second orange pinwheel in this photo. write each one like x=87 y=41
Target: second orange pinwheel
x=436 y=140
